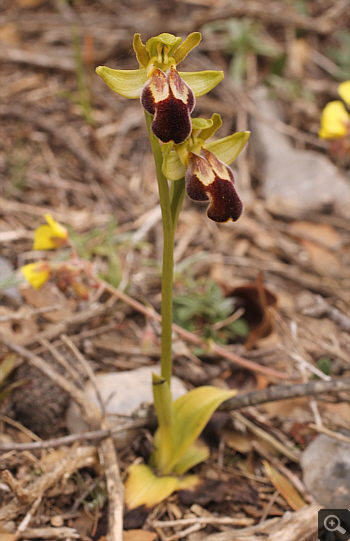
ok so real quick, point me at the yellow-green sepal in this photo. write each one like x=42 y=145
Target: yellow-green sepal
x=143 y=487
x=141 y=52
x=201 y=82
x=172 y=167
x=190 y=43
x=228 y=148
x=127 y=83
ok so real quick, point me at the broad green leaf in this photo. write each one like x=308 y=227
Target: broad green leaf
x=202 y=82
x=189 y=482
x=192 y=412
x=143 y=487
x=190 y=43
x=127 y=83
x=228 y=148
x=198 y=452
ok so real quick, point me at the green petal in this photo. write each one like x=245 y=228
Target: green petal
x=228 y=148
x=142 y=55
x=190 y=43
x=127 y=83
x=169 y=40
x=201 y=123
x=172 y=168
x=216 y=122
x=202 y=82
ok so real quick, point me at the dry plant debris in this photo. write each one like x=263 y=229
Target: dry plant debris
x=70 y=148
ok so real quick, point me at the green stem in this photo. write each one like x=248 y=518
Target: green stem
x=168 y=257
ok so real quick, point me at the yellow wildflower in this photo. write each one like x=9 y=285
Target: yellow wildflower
x=36 y=273
x=335 y=119
x=48 y=237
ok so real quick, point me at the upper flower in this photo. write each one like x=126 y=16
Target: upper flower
x=50 y=236
x=167 y=94
x=335 y=119
x=204 y=166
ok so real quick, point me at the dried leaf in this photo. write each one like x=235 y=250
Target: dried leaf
x=286 y=489
x=139 y=535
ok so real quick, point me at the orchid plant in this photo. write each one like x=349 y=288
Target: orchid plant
x=185 y=161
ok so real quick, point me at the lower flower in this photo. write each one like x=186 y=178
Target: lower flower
x=36 y=273
x=208 y=178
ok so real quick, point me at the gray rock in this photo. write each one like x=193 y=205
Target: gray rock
x=326 y=471
x=122 y=394
x=303 y=177
x=6 y=270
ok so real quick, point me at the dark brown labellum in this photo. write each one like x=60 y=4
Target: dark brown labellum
x=171 y=101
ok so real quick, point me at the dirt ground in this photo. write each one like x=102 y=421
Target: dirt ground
x=72 y=148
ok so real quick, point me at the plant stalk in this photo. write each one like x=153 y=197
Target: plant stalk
x=170 y=204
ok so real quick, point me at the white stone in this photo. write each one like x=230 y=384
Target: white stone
x=303 y=177
x=122 y=394
x=326 y=471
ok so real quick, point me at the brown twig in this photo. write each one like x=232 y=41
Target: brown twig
x=285 y=392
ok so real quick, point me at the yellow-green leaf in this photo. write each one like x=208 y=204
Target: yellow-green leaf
x=192 y=412
x=127 y=83
x=202 y=82
x=195 y=454
x=143 y=487
x=228 y=148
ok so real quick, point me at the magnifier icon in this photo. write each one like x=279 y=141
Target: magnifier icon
x=332 y=524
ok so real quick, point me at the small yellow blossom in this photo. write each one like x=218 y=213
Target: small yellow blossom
x=335 y=119
x=36 y=273
x=48 y=237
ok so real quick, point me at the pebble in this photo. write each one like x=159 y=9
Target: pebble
x=122 y=393
x=326 y=471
